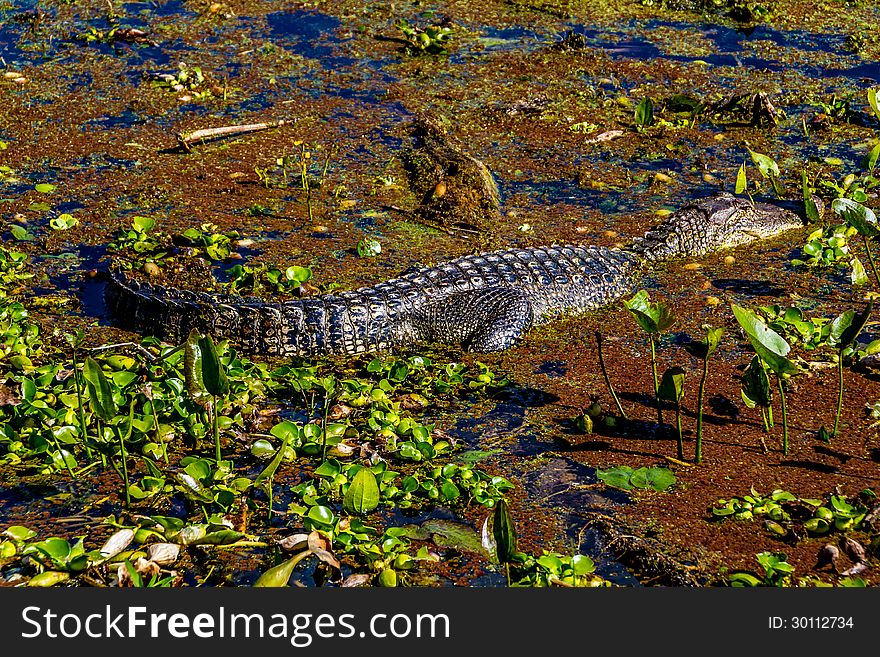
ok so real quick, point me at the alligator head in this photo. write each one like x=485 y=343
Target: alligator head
x=711 y=224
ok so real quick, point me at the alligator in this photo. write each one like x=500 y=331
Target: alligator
x=484 y=302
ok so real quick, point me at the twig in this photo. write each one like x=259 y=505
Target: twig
x=146 y=354
x=607 y=379
x=188 y=139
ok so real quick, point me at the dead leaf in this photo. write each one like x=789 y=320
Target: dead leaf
x=356 y=580
x=294 y=542
x=320 y=547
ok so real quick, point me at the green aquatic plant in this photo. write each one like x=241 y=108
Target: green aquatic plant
x=433 y=40
x=627 y=478
x=845 y=328
x=644 y=114
x=654 y=319
x=772 y=350
x=672 y=390
x=703 y=350
x=864 y=221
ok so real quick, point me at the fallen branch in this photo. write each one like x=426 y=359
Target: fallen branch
x=188 y=139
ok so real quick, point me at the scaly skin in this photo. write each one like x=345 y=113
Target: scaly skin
x=483 y=302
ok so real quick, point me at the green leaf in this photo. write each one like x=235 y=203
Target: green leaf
x=618 y=477
x=770 y=346
x=852 y=331
x=741 y=180
x=213 y=371
x=873 y=102
x=810 y=207
x=19 y=533
x=645 y=112
x=278 y=576
x=672 y=385
x=100 y=394
x=651 y=317
x=504 y=532
x=744 y=580
x=269 y=471
x=369 y=248
x=63 y=222
x=582 y=565
x=45 y=188
x=362 y=495
x=871 y=158
x=192 y=366
x=48 y=578
x=756 y=384
x=321 y=515
x=659 y=479
x=857 y=215
x=20 y=233
x=858 y=275
x=766 y=165
x=299 y=274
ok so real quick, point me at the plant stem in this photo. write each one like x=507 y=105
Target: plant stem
x=124 y=469
x=81 y=414
x=764 y=419
x=216 y=424
x=784 y=416
x=839 y=391
x=698 y=453
x=656 y=382
x=271 y=496
x=871 y=259
x=678 y=426
x=607 y=378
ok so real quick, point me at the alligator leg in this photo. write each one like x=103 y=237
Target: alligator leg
x=490 y=319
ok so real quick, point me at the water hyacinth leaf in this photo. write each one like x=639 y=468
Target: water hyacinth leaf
x=322 y=515
x=19 y=533
x=48 y=578
x=770 y=346
x=582 y=565
x=741 y=180
x=192 y=366
x=362 y=495
x=100 y=394
x=262 y=449
x=213 y=372
x=857 y=215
